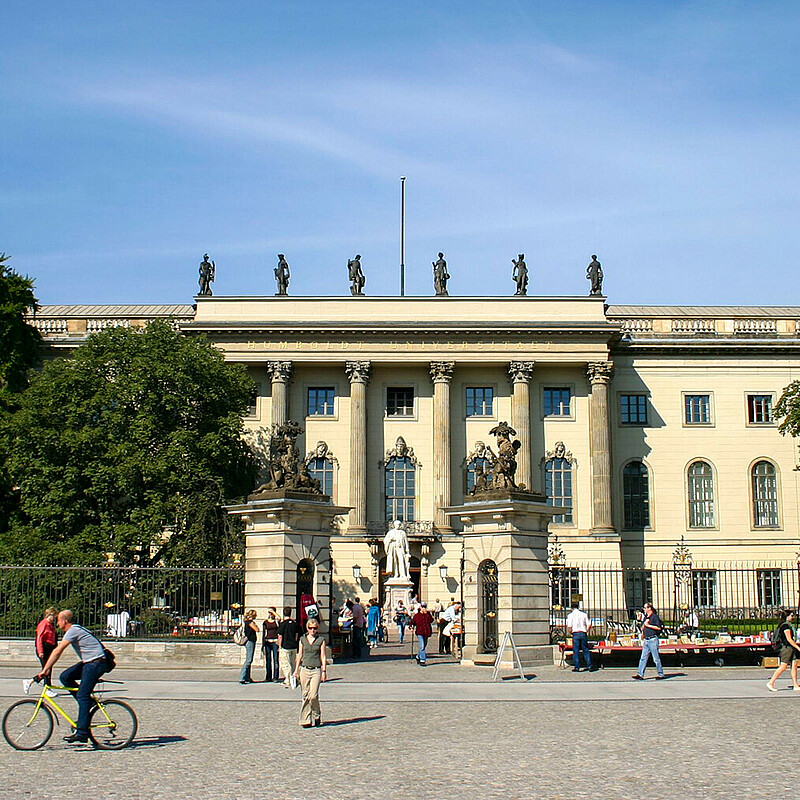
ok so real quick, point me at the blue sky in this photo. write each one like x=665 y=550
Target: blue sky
x=663 y=136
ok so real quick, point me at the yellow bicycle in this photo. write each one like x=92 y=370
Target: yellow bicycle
x=28 y=724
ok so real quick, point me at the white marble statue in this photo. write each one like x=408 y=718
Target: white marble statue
x=397 y=556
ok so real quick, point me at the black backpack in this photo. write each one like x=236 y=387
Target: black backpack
x=777 y=639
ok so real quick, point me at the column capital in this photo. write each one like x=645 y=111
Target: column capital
x=280 y=371
x=442 y=371
x=521 y=371
x=599 y=372
x=358 y=371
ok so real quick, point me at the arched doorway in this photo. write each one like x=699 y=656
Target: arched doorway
x=487 y=587
x=305 y=585
x=415 y=573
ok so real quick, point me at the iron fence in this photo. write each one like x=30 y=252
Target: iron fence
x=117 y=601
x=738 y=599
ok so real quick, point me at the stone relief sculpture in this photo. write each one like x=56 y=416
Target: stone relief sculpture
x=520 y=274
x=286 y=469
x=208 y=271
x=398 y=557
x=594 y=273
x=440 y=276
x=282 y=275
x=505 y=465
x=356 y=276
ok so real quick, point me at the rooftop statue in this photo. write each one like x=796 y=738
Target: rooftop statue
x=286 y=469
x=594 y=273
x=520 y=274
x=208 y=271
x=440 y=276
x=505 y=465
x=356 y=276
x=282 y=275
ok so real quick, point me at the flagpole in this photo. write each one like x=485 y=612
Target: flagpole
x=402 y=236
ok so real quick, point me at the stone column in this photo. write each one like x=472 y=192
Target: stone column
x=521 y=373
x=358 y=373
x=280 y=372
x=441 y=375
x=599 y=374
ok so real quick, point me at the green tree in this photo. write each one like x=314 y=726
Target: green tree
x=787 y=409
x=19 y=341
x=138 y=434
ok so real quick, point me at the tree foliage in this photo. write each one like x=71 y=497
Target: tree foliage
x=137 y=434
x=19 y=341
x=787 y=409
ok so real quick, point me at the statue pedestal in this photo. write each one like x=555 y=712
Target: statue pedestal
x=287 y=549
x=506 y=577
x=396 y=589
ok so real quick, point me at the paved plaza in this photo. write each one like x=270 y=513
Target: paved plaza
x=395 y=730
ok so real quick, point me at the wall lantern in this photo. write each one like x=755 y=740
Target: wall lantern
x=443 y=572
x=356 y=572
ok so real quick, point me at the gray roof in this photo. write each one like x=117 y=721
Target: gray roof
x=116 y=311
x=774 y=312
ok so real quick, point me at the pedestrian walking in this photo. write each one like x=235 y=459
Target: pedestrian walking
x=789 y=652
x=578 y=626
x=269 y=645
x=288 y=637
x=311 y=668
x=46 y=637
x=251 y=632
x=422 y=627
x=359 y=621
x=401 y=620
x=651 y=627
x=373 y=623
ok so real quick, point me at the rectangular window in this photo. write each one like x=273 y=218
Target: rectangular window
x=704 y=586
x=556 y=401
x=252 y=406
x=697 y=408
x=638 y=589
x=566 y=583
x=399 y=402
x=759 y=409
x=320 y=401
x=480 y=401
x=769 y=587
x=633 y=409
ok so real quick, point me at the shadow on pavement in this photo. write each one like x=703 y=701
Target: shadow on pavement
x=155 y=741
x=352 y=721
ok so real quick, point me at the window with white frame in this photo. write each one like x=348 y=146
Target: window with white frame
x=697 y=409
x=700 y=479
x=759 y=409
x=400 y=489
x=321 y=401
x=764 y=483
x=558 y=486
x=704 y=588
x=399 y=401
x=321 y=468
x=479 y=401
x=769 y=587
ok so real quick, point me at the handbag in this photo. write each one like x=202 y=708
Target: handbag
x=239 y=636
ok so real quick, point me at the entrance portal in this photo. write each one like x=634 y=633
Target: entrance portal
x=487 y=577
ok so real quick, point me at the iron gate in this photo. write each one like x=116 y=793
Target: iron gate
x=487 y=570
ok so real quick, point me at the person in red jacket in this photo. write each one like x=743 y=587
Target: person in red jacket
x=46 y=636
x=422 y=625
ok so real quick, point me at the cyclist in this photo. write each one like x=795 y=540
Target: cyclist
x=88 y=670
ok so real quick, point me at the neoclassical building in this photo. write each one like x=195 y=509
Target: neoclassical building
x=644 y=424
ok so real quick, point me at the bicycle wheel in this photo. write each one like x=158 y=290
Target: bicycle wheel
x=113 y=725
x=25 y=728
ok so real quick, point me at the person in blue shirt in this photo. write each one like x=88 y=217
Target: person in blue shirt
x=373 y=623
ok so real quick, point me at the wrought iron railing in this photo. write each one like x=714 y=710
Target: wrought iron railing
x=144 y=602
x=738 y=599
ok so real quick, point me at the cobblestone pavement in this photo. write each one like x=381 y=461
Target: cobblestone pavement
x=225 y=750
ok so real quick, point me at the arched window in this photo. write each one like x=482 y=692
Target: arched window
x=558 y=486
x=636 y=495
x=400 y=488
x=321 y=468
x=701 y=495
x=765 y=495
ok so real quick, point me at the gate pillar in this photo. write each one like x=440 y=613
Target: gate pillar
x=281 y=531
x=510 y=530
